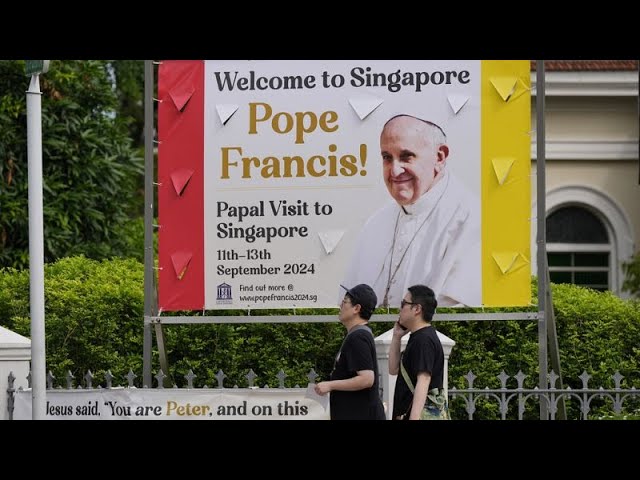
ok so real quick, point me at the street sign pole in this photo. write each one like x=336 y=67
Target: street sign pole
x=36 y=243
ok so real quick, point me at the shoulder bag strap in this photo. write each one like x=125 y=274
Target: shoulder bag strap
x=405 y=375
x=435 y=395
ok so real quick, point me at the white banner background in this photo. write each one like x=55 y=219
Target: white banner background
x=244 y=167
x=174 y=404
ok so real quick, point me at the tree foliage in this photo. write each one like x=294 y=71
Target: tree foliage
x=91 y=173
x=632 y=275
x=129 y=81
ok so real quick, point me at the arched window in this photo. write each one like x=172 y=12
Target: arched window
x=582 y=221
x=578 y=248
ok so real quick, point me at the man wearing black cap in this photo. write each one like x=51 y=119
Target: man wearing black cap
x=354 y=380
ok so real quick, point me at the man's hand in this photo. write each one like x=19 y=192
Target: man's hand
x=399 y=330
x=323 y=388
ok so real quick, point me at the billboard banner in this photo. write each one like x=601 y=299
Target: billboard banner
x=281 y=180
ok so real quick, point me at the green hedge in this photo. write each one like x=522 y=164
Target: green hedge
x=597 y=332
x=94 y=314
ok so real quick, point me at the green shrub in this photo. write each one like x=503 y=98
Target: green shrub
x=93 y=314
x=631 y=270
x=633 y=415
x=597 y=332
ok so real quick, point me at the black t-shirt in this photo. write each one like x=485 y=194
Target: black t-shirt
x=423 y=354
x=358 y=352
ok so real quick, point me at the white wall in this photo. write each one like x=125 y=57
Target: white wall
x=15 y=356
x=592 y=156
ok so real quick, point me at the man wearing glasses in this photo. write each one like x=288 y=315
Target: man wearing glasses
x=354 y=381
x=423 y=359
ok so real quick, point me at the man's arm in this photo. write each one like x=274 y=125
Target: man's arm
x=363 y=379
x=420 y=395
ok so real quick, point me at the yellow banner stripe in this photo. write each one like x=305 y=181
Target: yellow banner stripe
x=506 y=184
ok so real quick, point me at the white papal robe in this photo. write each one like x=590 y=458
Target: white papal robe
x=437 y=243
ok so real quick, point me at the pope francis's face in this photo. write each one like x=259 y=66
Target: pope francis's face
x=410 y=163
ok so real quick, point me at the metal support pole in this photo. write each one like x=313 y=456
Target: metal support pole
x=541 y=236
x=36 y=249
x=149 y=275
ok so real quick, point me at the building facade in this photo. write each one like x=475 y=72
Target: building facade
x=592 y=171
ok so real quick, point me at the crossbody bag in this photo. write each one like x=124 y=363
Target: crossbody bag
x=436 y=407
